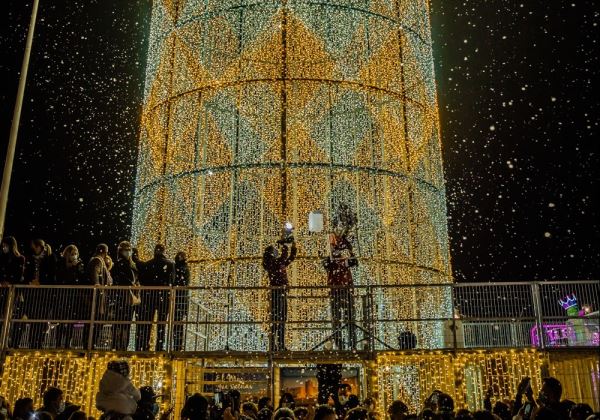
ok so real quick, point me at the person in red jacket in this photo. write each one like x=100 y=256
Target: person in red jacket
x=339 y=278
x=276 y=259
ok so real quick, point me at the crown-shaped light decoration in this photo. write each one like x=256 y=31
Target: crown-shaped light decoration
x=568 y=301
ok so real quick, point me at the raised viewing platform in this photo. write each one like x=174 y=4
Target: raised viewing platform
x=209 y=321
x=205 y=339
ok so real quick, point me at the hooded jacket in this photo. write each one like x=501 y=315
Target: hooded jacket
x=117 y=394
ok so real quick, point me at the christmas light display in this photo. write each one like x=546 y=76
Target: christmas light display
x=575 y=323
x=29 y=374
x=257 y=113
x=412 y=376
x=466 y=376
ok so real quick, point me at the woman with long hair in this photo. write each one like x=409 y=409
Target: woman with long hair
x=12 y=268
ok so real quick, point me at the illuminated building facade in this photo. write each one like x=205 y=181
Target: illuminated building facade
x=259 y=112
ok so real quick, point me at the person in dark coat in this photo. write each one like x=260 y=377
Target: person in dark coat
x=40 y=264
x=182 y=280
x=159 y=271
x=124 y=273
x=40 y=304
x=12 y=263
x=275 y=264
x=70 y=269
x=73 y=304
x=12 y=268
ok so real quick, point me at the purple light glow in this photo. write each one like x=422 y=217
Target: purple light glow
x=562 y=335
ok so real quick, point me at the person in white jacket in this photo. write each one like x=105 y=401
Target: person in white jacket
x=117 y=397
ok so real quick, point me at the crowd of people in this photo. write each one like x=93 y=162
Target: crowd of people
x=119 y=399
x=41 y=266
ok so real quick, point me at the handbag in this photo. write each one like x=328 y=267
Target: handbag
x=134 y=299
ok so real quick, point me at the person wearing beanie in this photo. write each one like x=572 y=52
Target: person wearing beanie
x=117 y=396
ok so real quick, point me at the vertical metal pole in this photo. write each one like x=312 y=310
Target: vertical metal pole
x=372 y=319
x=206 y=327
x=170 y=332
x=537 y=307
x=14 y=129
x=453 y=327
x=92 y=319
x=7 y=317
x=271 y=383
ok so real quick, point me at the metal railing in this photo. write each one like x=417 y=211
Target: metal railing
x=303 y=319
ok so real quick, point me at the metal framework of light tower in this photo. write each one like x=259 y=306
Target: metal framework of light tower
x=256 y=113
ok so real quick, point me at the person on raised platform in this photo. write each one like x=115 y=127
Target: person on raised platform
x=159 y=271
x=124 y=273
x=339 y=278
x=98 y=269
x=40 y=269
x=276 y=259
x=182 y=279
x=75 y=303
x=12 y=267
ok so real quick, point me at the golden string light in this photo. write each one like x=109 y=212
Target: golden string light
x=257 y=113
x=28 y=374
x=465 y=376
x=409 y=376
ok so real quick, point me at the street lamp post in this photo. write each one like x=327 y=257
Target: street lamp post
x=14 y=129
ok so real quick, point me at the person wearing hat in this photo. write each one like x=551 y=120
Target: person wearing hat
x=117 y=396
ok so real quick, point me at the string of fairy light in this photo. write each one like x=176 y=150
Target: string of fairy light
x=257 y=113
x=28 y=374
x=411 y=377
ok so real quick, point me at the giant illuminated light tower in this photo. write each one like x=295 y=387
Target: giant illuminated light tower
x=258 y=112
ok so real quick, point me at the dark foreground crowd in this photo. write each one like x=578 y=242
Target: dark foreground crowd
x=119 y=399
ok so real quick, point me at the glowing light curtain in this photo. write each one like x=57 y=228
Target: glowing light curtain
x=258 y=112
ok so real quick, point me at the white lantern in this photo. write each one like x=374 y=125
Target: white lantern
x=315 y=221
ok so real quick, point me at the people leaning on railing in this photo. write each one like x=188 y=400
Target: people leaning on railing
x=12 y=269
x=159 y=271
x=182 y=279
x=70 y=271
x=12 y=263
x=115 y=308
x=124 y=273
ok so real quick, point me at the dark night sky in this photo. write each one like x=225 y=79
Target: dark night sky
x=518 y=118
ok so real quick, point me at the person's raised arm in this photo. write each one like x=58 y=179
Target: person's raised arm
x=523 y=386
x=284 y=255
x=293 y=253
